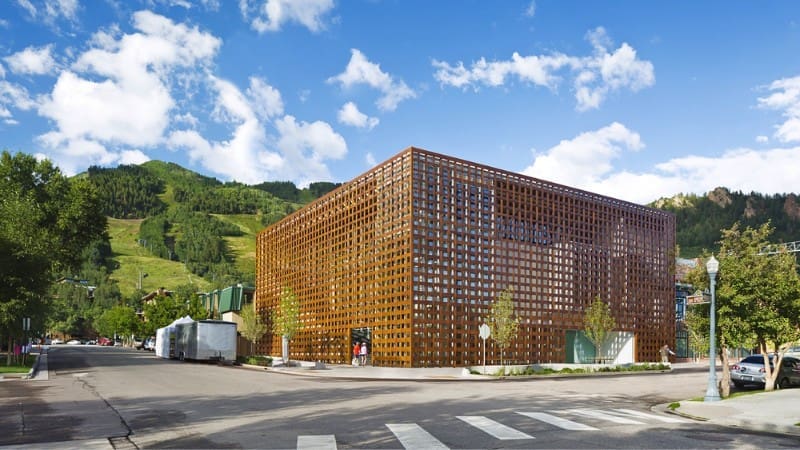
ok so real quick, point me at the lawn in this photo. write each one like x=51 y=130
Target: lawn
x=134 y=261
x=16 y=368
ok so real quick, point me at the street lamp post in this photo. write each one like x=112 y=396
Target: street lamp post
x=712 y=393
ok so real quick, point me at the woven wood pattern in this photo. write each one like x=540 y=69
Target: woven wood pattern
x=418 y=248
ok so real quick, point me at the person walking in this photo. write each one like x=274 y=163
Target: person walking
x=363 y=353
x=665 y=352
x=356 y=353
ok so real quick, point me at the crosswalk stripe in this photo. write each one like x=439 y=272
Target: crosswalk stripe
x=413 y=436
x=496 y=429
x=604 y=416
x=632 y=412
x=316 y=442
x=560 y=422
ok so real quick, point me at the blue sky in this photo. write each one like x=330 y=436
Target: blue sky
x=635 y=100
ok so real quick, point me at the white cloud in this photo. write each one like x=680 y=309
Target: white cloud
x=586 y=162
x=585 y=159
x=785 y=98
x=49 y=11
x=360 y=70
x=28 y=6
x=306 y=145
x=32 y=60
x=118 y=94
x=762 y=139
x=267 y=100
x=350 y=115
x=370 y=159
x=530 y=11
x=132 y=157
x=298 y=152
x=595 y=76
x=271 y=15
x=15 y=95
x=107 y=111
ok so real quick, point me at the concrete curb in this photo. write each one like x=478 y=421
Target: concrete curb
x=331 y=373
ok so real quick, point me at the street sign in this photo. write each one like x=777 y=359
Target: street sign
x=484 y=331
x=698 y=299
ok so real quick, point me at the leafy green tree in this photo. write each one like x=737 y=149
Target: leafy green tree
x=760 y=292
x=46 y=223
x=598 y=324
x=163 y=310
x=253 y=327
x=502 y=322
x=286 y=318
x=757 y=297
x=118 y=321
x=696 y=322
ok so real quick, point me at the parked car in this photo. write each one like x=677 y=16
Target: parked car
x=750 y=370
x=138 y=343
x=73 y=342
x=57 y=341
x=793 y=351
x=150 y=343
x=105 y=341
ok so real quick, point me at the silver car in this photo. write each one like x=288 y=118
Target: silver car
x=750 y=370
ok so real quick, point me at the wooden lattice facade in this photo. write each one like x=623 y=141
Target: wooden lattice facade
x=417 y=249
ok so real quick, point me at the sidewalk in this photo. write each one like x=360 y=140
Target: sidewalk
x=773 y=412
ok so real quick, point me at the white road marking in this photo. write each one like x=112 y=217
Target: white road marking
x=496 y=429
x=560 y=422
x=604 y=416
x=413 y=436
x=632 y=412
x=316 y=442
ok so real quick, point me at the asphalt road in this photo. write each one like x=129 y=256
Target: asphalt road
x=135 y=400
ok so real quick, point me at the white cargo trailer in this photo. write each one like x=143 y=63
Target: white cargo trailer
x=206 y=340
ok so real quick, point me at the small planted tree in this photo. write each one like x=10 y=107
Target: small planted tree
x=598 y=324
x=502 y=322
x=286 y=319
x=253 y=328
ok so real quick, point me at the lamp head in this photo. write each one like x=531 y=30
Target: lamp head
x=712 y=266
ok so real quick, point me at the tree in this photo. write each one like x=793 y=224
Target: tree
x=757 y=298
x=46 y=222
x=697 y=327
x=598 y=324
x=759 y=293
x=502 y=322
x=163 y=310
x=118 y=321
x=253 y=327
x=286 y=319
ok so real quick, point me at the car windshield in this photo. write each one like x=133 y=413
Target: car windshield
x=756 y=359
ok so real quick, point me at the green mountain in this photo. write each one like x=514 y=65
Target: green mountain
x=699 y=219
x=170 y=226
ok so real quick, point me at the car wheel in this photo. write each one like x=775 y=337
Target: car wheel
x=784 y=383
x=738 y=384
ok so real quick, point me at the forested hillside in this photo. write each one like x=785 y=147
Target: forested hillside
x=699 y=219
x=199 y=223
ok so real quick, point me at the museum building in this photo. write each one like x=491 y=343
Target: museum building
x=410 y=256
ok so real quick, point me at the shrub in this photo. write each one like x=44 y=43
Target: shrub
x=255 y=360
